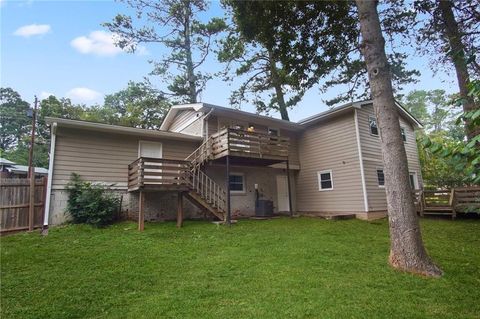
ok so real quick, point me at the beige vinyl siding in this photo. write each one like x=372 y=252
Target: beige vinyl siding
x=330 y=145
x=372 y=157
x=212 y=125
x=194 y=128
x=101 y=157
x=182 y=118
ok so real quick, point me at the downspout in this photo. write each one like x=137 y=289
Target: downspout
x=49 y=180
x=360 y=158
x=205 y=118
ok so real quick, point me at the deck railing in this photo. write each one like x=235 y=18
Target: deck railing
x=242 y=143
x=158 y=172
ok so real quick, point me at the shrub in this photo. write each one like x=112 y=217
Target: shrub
x=91 y=204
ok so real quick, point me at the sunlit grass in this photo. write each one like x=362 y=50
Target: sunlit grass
x=290 y=268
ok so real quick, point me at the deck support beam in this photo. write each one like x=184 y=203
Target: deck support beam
x=229 y=216
x=289 y=190
x=179 y=209
x=141 y=212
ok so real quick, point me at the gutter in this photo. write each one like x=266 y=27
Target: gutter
x=50 y=178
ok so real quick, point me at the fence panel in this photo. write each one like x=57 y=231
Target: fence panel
x=14 y=203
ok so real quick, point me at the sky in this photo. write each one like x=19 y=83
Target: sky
x=60 y=48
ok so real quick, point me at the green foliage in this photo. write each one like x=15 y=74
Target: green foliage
x=463 y=156
x=281 y=268
x=91 y=204
x=138 y=105
x=14 y=122
x=175 y=25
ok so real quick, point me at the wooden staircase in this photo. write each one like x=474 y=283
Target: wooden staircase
x=204 y=192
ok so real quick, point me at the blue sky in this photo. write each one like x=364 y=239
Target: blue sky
x=60 y=48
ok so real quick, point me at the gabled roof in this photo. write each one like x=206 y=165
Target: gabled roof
x=220 y=110
x=351 y=105
x=100 y=127
x=302 y=124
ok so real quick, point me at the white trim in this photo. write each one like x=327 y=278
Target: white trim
x=50 y=173
x=244 y=186
x=140 y=142
x=319 y=173
x=360 y=158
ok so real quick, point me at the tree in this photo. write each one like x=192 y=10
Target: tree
x=138 y=105
x=452 y=30
x=14 y=121
x=174 y=25
x=406 y=246
x=284 y=48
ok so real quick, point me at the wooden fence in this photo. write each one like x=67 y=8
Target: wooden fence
x=14 y=203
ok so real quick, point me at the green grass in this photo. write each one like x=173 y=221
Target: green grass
x=281 y=268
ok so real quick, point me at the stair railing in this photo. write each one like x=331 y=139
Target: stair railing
x=208 y=189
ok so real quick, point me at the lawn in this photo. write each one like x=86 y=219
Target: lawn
x=281 y=268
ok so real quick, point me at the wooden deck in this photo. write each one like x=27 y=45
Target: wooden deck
x=158 y=174
x=448 y=202
x=247 y=148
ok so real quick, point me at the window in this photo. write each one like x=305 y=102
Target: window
x=413 y=180
x=237 y=183
x=404 y=135
x=380 y=178
x=325 y=180
x=373 y=125
x=149 y=149
x=273 y=132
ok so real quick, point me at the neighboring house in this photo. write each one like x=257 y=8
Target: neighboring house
x=332 y=160
x=9 y=169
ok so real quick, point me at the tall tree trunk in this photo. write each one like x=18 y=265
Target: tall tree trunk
x=277 y=85
x=406 y=246
x=192 y=89
x=458 y=58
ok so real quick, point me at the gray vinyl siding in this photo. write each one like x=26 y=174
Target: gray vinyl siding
x=194 y=128
x=372 y=157
x=330 y=145
x=101 y=157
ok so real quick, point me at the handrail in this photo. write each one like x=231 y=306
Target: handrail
x=208 y=189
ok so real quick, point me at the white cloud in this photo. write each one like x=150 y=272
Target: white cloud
x=97 y=42
x=141 y=50
x=81 y=94
x=45 y=95
x=32 y=29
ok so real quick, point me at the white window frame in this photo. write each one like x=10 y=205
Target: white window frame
x=140 y=142
x=415 y=179
x=376 y=174
x=244 y=186
x=319 y=178
x=402 y=129
x=370 y=128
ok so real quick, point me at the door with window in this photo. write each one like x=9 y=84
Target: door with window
x=282 y=193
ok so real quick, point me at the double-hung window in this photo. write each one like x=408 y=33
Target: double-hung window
x=325 y=180
x=372 y=122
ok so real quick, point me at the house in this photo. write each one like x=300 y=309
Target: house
x=9 y=169
x=329 y=163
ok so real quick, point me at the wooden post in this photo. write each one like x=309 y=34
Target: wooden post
x=180 y=209
x=229 y=216
x=289 y=190
x=141 y=213
x=31 y=171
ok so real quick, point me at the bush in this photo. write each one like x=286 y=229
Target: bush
x=91 y=204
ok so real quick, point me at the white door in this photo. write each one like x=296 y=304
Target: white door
x=149 y=149
x=282 y=193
